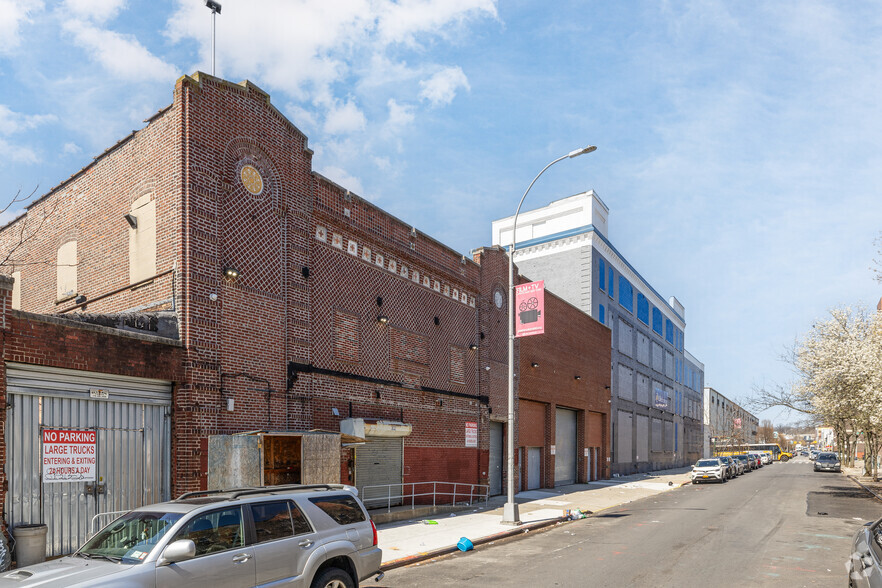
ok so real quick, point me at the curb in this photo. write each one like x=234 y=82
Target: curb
x=520 y=530
x=870 y=490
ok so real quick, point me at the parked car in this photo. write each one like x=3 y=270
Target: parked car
x=745 y=462
x=730 y=467
x=757 y=460
x=828 y=462
x=737 y=466
x=865 y=565
x=813 y=454
x=709 y=469
x=317 y=536
x=767 y=457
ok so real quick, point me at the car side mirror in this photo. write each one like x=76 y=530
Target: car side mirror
x=180 y=550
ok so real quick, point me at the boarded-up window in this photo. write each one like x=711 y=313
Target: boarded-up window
x=346 y=338
x=643 y=390
x=66 y=274
x=457 y=365
x=410 y=352
x=626 y=338
x=16 y=290
x=657 y=435
x=142 y=239
x=623 y=437
x=642 y=348
x=625 y=383
x=657 y=358
x=669 y=436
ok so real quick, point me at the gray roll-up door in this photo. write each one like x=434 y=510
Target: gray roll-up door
x=378 y=471
x=565 y=447
x=496 y=457
x=131 y=419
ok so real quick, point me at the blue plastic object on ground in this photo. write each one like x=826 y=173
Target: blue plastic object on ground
x=465 y=544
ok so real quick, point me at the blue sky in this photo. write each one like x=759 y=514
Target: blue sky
x=738 y=143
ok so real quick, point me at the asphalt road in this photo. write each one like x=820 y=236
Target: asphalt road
x=782 y=525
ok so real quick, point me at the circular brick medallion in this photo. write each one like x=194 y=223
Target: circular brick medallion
x=251 y=179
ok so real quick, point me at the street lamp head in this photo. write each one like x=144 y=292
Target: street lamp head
x=582 y=151
x=215 y=7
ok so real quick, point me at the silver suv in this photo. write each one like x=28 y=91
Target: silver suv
x=318 y=536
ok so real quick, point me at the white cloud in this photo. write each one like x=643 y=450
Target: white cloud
x=344 y=178
x=97 y=10
x=121 y=55
x=403 y=21
x=13 y=13
x=400 y=115
x=71 y=149
x=14 y=122
x=17 y=153
x=441 y=88
x=345 y=118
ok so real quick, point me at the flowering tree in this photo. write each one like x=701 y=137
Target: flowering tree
x=838 y=366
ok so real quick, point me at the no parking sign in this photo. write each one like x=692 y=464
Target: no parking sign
x=69 y=456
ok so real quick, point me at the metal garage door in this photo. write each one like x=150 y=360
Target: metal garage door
x=496 y=457
x=565 y=447
x=378 y=469
x=130 y=417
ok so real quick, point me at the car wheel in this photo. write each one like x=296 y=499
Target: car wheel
x=784 y=458
x=333 y=578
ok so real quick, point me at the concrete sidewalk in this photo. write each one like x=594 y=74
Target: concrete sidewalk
x=407 y=542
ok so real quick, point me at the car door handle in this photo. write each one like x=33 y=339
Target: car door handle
x=305 y=543
x=241 y=558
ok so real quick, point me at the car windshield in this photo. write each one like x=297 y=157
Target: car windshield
x=741 y=457
x=707 y=463
x=827 y=456
x=130 y=538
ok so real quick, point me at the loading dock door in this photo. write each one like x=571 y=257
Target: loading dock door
x=378 y=471
x=565 y=450
x=130 y=417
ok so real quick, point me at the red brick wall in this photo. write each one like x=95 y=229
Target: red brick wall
x=574 y=344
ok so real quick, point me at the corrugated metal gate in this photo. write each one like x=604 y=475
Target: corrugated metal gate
x=565 y=447
x=133 y=447
x=379 y=462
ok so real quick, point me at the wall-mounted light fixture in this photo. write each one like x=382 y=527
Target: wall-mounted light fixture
x=304 y=271
x=606 y=387
x=437 y=321
x=79 y=299
x=132 y=220
x=335 y=412
x=231 y=273
x=577 y=377
x=382 y=319
x=534 y=365
x=379 y=301
x=473 y=347
x=377 y=394
x=440 y=402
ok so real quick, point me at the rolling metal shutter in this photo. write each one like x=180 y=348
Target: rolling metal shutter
x=565 y=447
x=133 y=447
x=378 y=471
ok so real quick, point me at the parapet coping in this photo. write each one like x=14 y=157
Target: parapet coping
x=65 y=322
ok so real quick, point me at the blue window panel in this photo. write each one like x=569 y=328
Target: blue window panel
x=682 y=341
x=642 y=308
x=612 y=289
x=677 y=369
x=601 y=266
x=626 y=294
x=669 y=331
x=657 y=320
x=602 y=315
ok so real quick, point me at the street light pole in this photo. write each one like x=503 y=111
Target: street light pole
x=510 y=514
x=215 y=8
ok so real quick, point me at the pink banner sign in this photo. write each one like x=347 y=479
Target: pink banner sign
x=530 y=309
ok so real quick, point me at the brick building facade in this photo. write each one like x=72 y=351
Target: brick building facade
x=300 y=305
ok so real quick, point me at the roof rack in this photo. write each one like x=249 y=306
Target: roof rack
x=237 y=492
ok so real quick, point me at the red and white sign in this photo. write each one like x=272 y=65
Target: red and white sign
x=69 y=456
x=737 y=423
x=471 y=434
x=530 y=309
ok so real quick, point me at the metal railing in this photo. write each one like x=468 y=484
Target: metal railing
x=442 y=493
x=111 y=516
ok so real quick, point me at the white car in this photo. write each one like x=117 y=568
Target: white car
x=767 y=457
x=708 y=470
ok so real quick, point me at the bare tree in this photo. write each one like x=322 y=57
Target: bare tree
x=23 y=231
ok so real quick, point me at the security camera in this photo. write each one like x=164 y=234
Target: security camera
x=213 y=6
